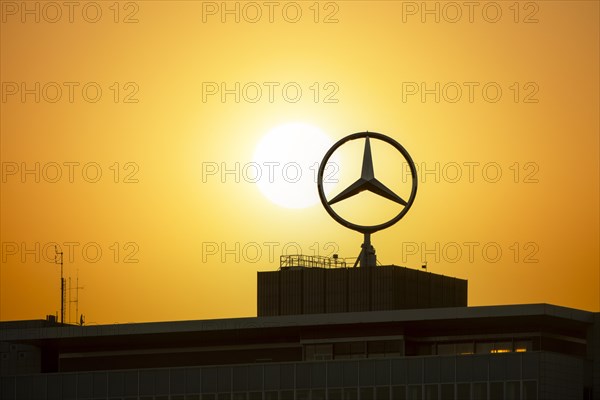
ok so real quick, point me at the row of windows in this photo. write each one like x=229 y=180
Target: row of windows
x=278 y=377
x=512 y=390
x=480 y=347
x=357 y=349
x=395 y=348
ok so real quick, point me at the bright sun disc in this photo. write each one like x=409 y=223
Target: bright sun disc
x=287 y=162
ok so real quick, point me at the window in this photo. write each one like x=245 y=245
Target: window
x=415 y=392
x=303 y=376
x=431 y=392
x=484 y=347
x=85 y=385
x=464 y=348
x=318 y=352
x=447 y=391
x=286 y=379
x=255 y=377
x=255 y=396
x=382 y=393
x=393 y=347
x=350 y=394
x=240 y=379
x=425 y=349
x=502 y=347
x=480 y=391
x=530 y=390
x=455 y=348
x=161 y=384
x=99 y=384
x=349 y=350
x=334 y=374
x=357 y=349
x=272 y=377
x=115 y=384
x=272 y=395
x=177 y=384
x=209 y=380
x=318 y=394
x=286 y=395
x=518 y=346
x=463 y=391
x=334 y=394
x=302 y=394
x=398 y=392
x=522 y=346
x=318 y=375
x=366 y=393
x=446 y=349
x=513 y=390
x=224 y=380
x=496 y=390
x=384 y=348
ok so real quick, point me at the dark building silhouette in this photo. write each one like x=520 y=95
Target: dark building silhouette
x=313 y=285
x=338 y=334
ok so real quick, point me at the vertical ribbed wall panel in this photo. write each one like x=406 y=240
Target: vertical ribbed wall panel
x=291 y=292
x=461 y=287
x=382 y=288
x=436 y=290
x=399 y=287
x=323 y=290
x=336 y=290
x=449 y=292
x=423 y=290
x=268 y=293
x=412 y=288
x=313 y=291
x=358 y=289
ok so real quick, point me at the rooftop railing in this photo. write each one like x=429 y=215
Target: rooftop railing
x=306 y=261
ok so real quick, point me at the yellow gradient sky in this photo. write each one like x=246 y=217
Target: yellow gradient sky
x=498 y=101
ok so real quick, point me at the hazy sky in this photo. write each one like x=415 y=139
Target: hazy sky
x=130 y=137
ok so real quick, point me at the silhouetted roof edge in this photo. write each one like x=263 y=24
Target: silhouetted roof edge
x=430 y=314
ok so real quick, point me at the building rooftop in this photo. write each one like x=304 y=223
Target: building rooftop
x=453 y=317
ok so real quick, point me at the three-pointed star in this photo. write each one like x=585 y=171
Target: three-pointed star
x=367 y=181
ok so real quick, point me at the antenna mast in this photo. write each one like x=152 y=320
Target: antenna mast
x=74 y=300
x=62 y=283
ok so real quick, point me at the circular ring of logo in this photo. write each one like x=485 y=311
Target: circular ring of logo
x=367 y=228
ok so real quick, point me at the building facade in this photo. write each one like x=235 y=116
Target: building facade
x=312 y=285
x=512 y=352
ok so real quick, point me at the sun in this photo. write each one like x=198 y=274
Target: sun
x=287 y=159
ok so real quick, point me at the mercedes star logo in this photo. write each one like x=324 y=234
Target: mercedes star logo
x=367 y=181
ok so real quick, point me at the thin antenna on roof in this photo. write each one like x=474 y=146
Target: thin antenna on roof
x=74 y=299
x=62 y=283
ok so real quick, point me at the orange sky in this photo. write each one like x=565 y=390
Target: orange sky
x=111 y=113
